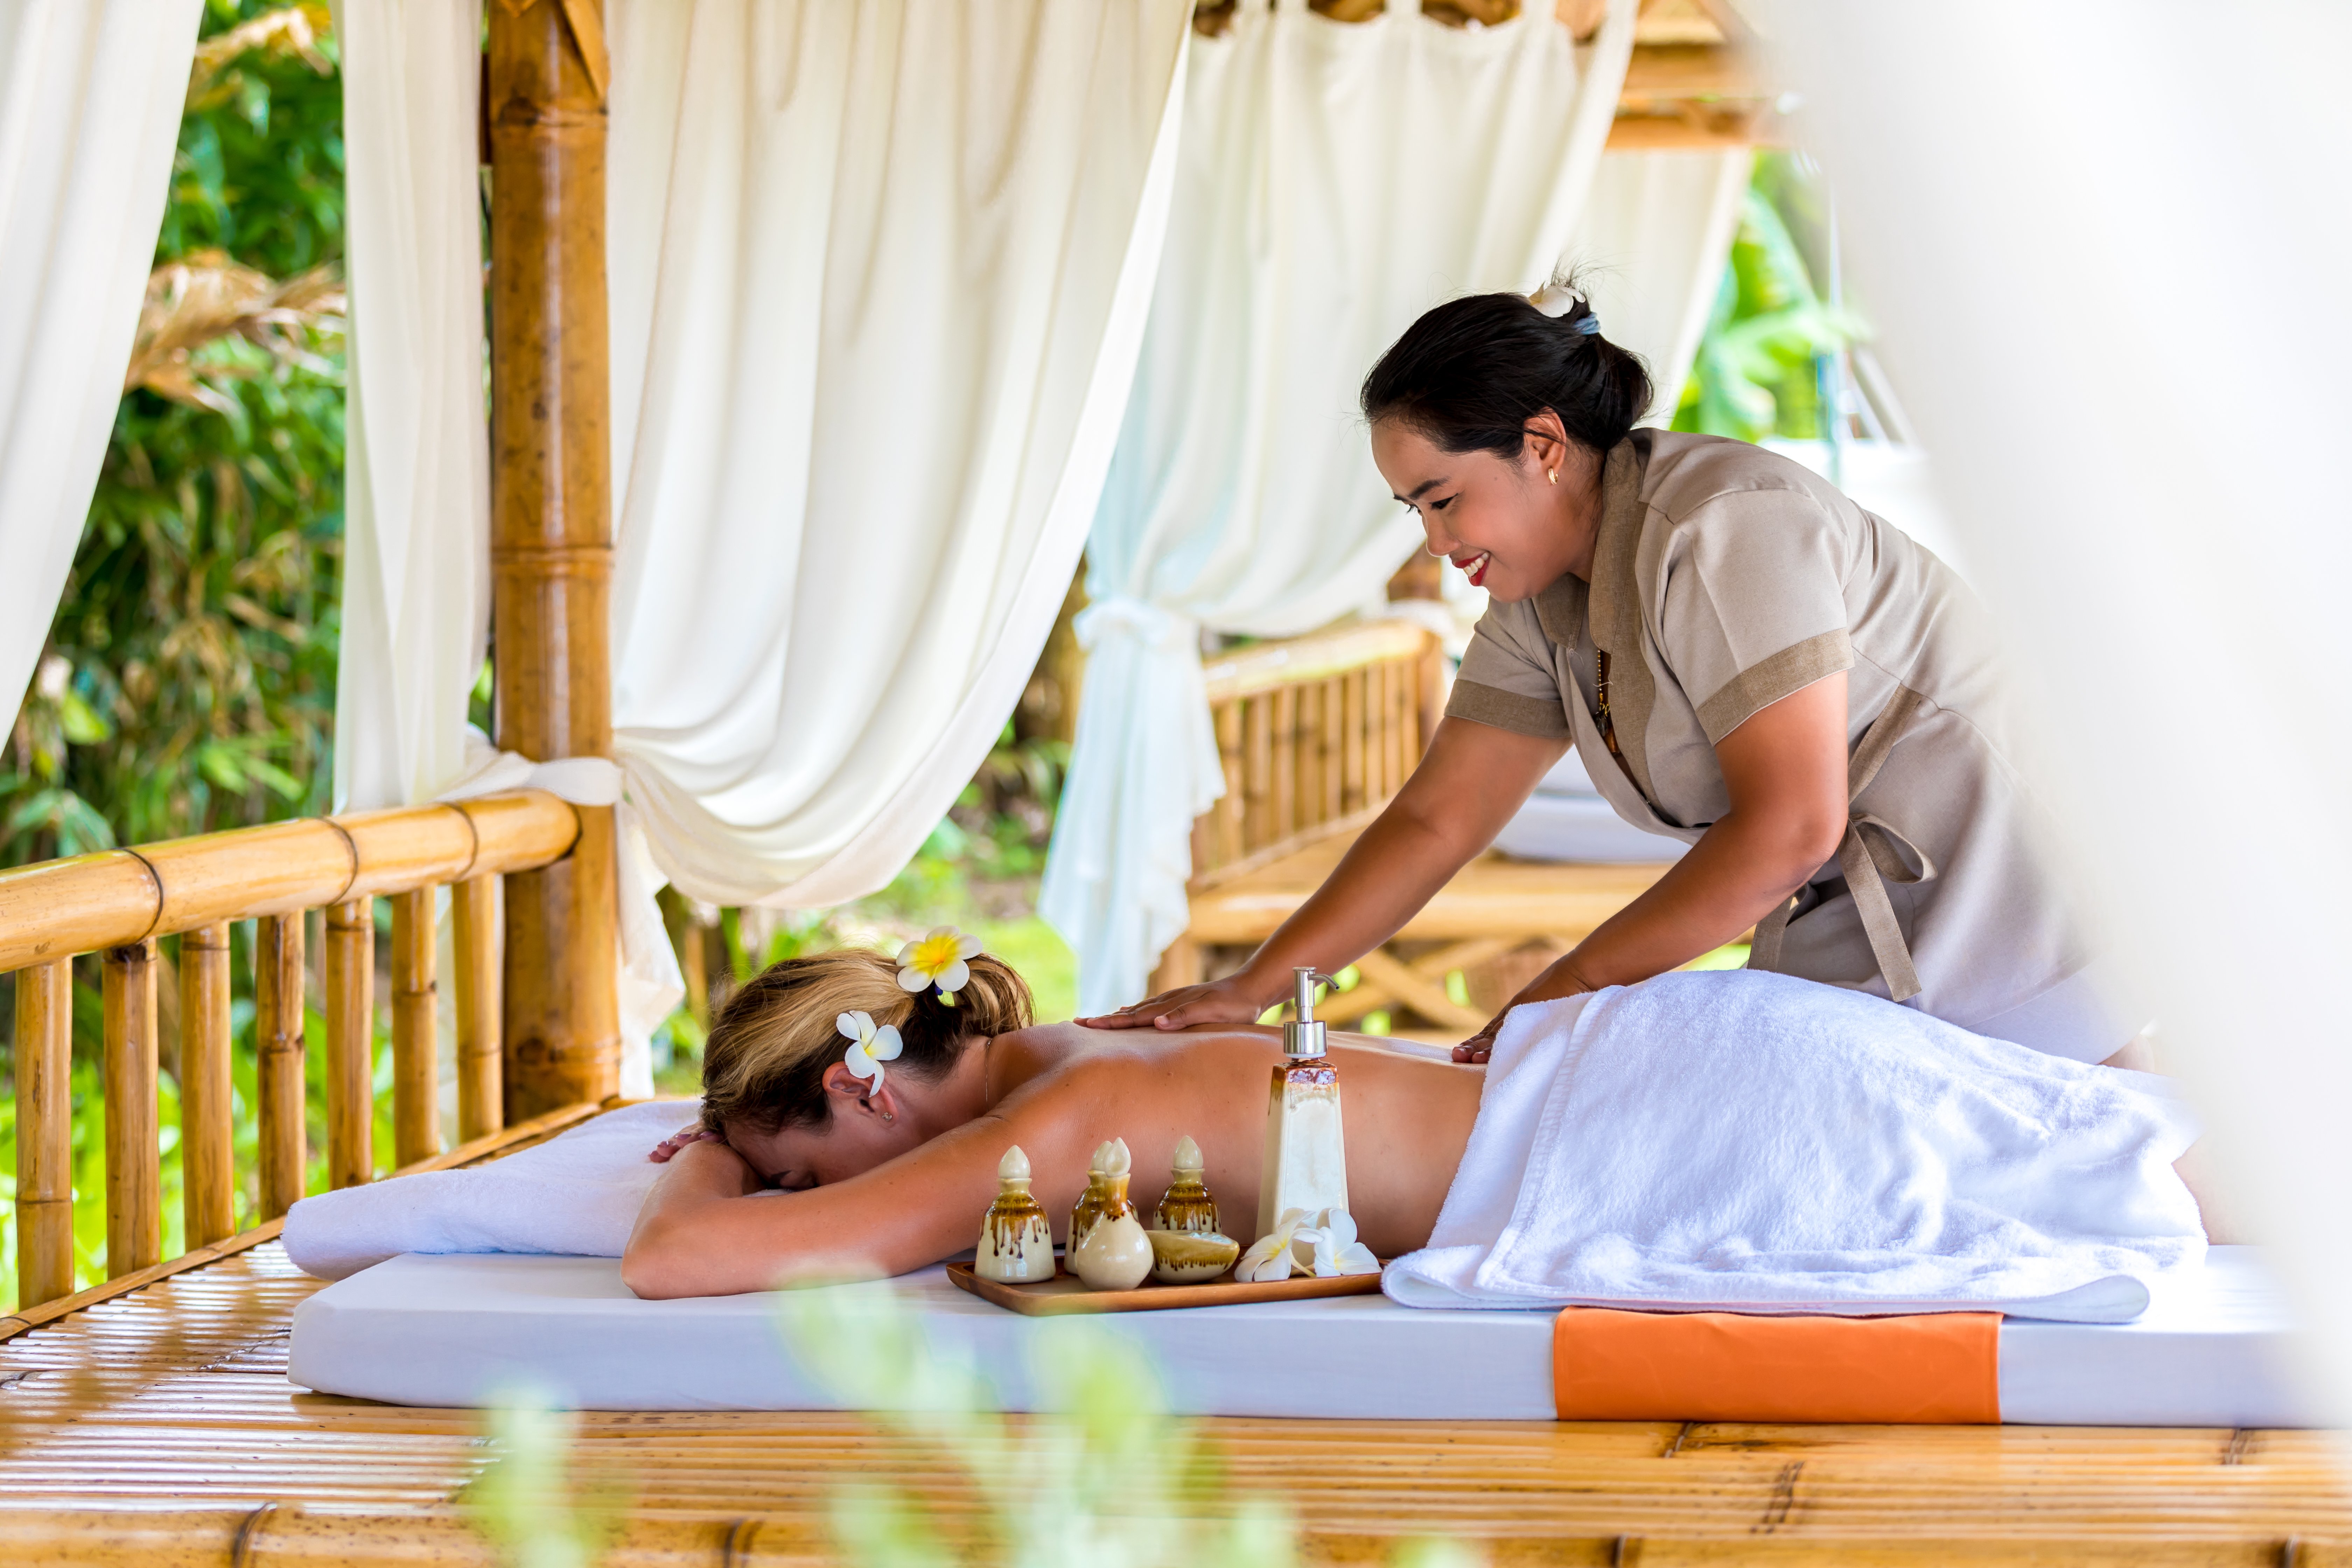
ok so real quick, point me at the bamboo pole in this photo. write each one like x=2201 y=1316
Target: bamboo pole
x=1257 y=772
x=45 y=1257
x=551 y=529
x=473 y=918
x=416 y=1052
x=1331 y=749
x=350 y=1020
x=134 y=1177
x=208 y=1170
x=1351 y=741
x=1227 y=719
x=278 y=1050
x=1284 y=810
x=59 y=908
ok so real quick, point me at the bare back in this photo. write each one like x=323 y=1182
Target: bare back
x=1057 y=1091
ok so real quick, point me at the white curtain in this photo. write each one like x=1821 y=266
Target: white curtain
x=90 y=92
x=879 y=274
x=1336 y=181
x=2117 y=309
x=1655 y=238
x=417 y=498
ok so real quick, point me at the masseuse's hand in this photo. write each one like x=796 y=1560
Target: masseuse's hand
x=679 y=1139
x=1560 y=979
x=1218 y=1002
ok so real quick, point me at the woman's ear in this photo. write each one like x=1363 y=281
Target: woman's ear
x=1546 y=446
x=854 y=1095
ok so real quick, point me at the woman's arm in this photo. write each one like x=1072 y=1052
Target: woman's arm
x=708 y=1228
x=1785 y=771
x=1468 y=783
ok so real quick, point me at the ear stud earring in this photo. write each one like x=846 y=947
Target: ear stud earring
x=1551 y=476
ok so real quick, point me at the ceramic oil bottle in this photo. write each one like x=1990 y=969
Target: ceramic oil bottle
x=1116 y=1254
x=1306 y=1152
x=1187 y=1208
x=1016 y=1245
x=1090 y=1202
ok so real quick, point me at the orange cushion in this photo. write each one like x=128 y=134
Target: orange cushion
x=1939 y=1367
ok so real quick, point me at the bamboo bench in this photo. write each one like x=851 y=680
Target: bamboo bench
x=1317 y=734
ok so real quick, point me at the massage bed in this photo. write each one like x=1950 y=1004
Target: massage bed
x=465 y=1330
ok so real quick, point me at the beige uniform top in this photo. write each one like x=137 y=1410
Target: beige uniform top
x=1724 y=578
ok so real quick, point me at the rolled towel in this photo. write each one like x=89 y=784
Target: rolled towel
x=577 y=1195
x=1746 y=1141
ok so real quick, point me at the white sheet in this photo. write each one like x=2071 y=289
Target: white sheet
x=1761 y=1143
x=466 y=1330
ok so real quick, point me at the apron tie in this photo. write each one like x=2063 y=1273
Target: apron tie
x=1866 y=863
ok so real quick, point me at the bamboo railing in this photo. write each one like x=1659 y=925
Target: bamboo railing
x=1316 y=734
x=118 y=903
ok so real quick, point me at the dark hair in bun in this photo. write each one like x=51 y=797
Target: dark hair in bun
x=1472 y=373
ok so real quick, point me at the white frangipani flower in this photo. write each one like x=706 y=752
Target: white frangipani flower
x=1336 y=1250
x=870 y=1048
x=1270 y=1257
x=940 y=957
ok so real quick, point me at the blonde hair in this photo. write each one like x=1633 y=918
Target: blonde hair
x=765 y=1062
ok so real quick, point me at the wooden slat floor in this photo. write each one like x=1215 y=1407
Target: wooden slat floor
x=159 y=1427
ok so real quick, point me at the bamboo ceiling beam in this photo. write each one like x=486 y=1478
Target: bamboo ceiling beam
x=59 y=908
x=552 y=529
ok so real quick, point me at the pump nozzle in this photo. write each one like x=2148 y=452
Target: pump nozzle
x=1302 y=1036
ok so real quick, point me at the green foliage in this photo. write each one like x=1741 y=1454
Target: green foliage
x=1757 y=373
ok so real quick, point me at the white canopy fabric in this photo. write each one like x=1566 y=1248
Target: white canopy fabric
x=1651 y=250
x=1336 y=181
x=879 y=274
x=2149 y=236
x=878 y=278
x=90 y=93
x=416 y=465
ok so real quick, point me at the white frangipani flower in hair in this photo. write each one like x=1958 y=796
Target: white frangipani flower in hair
x=940 y=957
x=870 y=1046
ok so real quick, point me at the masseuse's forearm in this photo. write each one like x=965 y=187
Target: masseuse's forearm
x=1735 y=876
x=1468 y=785
x=1391 y=870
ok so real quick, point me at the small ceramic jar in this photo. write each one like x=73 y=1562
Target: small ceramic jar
x=1016 y=1245
x=1116 y=1254
x=1090 y=1202
x=1187 y=1208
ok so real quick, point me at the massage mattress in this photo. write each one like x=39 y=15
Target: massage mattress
x=2213 y=1349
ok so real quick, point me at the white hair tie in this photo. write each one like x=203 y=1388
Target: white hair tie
x=1561 y=302
x=1556 y=300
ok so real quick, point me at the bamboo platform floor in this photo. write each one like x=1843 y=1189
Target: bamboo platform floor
x=159 y=1427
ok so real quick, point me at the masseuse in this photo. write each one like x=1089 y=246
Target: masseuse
x=1748 y=661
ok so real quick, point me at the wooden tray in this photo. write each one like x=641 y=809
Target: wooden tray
x=1065 y=1293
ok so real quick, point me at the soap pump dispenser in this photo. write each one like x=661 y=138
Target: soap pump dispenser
x=1305 y=1149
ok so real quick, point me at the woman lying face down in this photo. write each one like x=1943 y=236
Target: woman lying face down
x=882 y=1180
x=884 y=1173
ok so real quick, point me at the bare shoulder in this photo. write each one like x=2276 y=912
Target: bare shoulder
x=1067 y=1055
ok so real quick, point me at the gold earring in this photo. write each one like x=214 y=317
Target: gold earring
x=1552 y=474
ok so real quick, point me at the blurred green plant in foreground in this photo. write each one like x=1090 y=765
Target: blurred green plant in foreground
x=528 y=1502
x=1107 y=1479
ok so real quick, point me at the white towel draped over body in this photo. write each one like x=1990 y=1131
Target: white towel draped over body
x=1760 y=1144
x=576 y=1194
